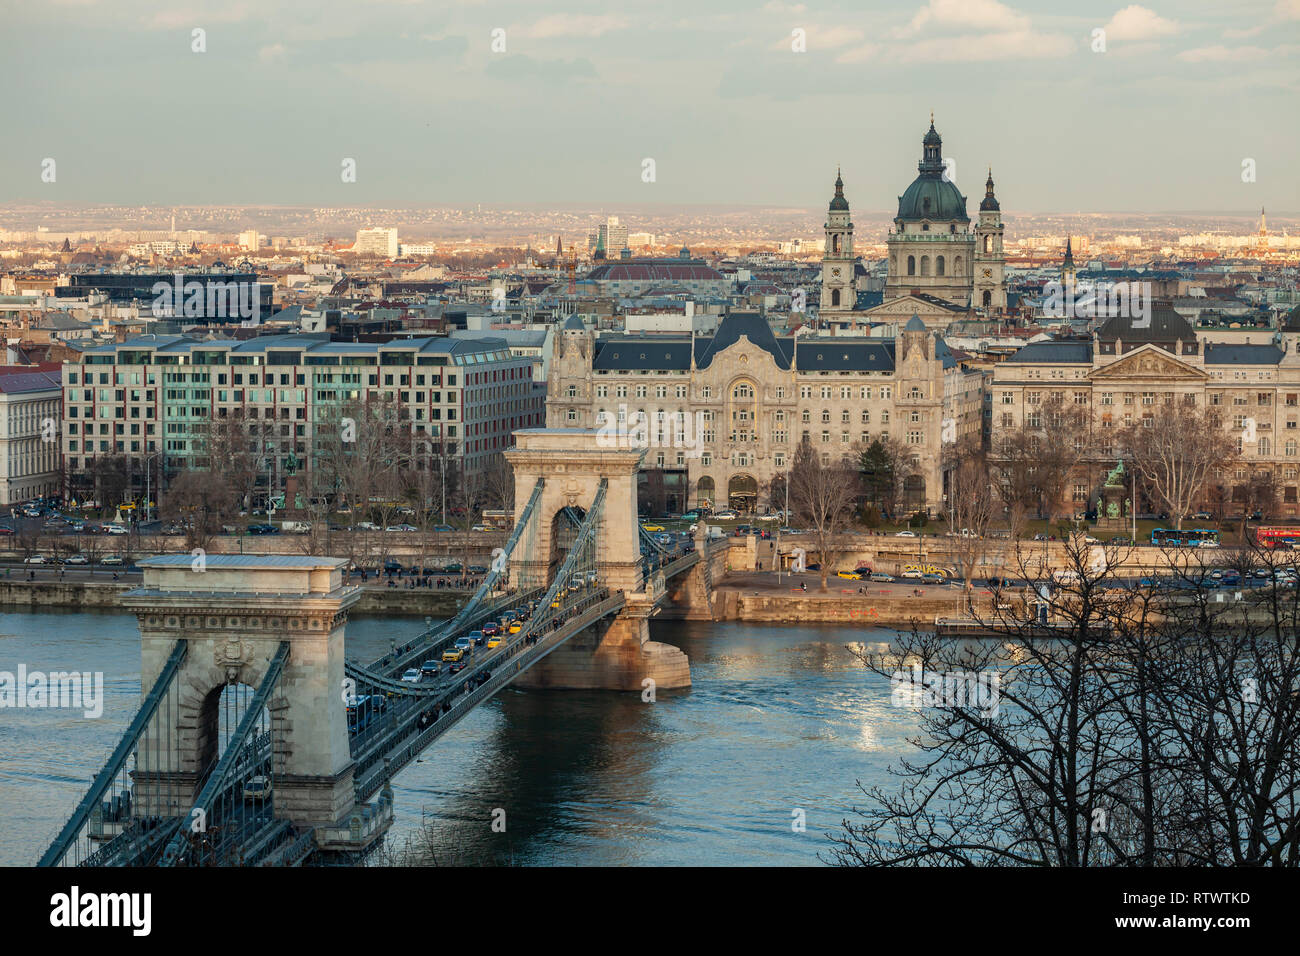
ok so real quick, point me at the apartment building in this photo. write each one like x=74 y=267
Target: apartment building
x=155 y=397
x=29 y=445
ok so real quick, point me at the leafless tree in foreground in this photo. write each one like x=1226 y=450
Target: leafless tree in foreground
x=1152 y=725
x=822 y=494
x=1175 y=450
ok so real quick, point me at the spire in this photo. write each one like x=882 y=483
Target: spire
x=990 y=201
x=838 y=202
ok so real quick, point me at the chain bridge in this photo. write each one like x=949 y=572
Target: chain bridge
x=257 y=743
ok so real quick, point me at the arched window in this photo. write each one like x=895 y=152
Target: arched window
x=742 y=391
x=911 y=265
x=988 y=243
x=956 y=267
x=938 y=266
x=925 y=265
x=988 y=298
x=835 y=296
x=835 y=243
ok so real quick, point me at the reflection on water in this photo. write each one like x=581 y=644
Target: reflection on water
x=779 y=719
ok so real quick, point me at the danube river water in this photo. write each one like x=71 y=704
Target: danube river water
x=779 y=719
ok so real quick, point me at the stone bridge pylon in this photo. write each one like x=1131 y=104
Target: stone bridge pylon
x=616 y=653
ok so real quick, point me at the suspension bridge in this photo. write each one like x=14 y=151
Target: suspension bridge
x=257 y=743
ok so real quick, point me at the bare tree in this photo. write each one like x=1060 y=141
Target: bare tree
x=1032 y=465
x=1150 y=725
x=1175 y=449
x=822 y=493
x=971 y=505
x=198 y=500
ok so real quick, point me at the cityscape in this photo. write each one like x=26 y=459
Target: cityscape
x=589 y=487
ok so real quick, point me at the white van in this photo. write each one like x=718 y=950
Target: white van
x=295 y=527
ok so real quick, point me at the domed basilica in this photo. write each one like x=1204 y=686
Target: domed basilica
x=939 y=267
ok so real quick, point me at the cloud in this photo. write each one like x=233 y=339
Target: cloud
x=957 y=16
x=1138 y=23
x=1287 y=10
x=965 y=31
x=272 y=52
x=575 y=25
x=518 y=66
x=823 y=38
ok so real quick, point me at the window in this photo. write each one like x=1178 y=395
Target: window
x=915 y=438
x=1107 y=398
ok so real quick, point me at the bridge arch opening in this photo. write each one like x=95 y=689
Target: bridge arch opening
x=223 y=709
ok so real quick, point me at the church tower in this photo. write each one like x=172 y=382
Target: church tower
x=839 y=285
x=1067 y=267
x=990 y=292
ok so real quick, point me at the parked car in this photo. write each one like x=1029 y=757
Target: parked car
x=115 y=529
x=443 y=527
x=76 y=559
x=482 y=527
x=849 y=575
x=402 y=528
x=392 y=566
x=111 y=560
x=35 y=559
x=913 y=574
x=880 y=577
x=367 y=526
x=933 y=578
x=262 y=529
x=652 y=527
x=904 y=534
x=726 y=514
x=477 y=569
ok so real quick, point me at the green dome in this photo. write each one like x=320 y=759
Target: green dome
x=838 y=202
x=932 y=197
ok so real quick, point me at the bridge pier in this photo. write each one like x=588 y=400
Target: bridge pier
x=235 y=611
x=612 y=655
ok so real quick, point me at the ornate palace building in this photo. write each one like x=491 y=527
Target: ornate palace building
x=1123 y=373
x=756 y=396
x=939 y=268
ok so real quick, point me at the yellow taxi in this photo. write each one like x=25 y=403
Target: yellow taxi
x=652 y=527
x=515 y=628
x=494 y=641
x=452 y=654
x=848 y=575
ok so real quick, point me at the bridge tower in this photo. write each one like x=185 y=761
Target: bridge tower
x=234 y=611
x=616 y=654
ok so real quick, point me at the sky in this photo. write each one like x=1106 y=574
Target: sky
x=733 y=102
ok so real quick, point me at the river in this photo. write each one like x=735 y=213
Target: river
x=780 y=719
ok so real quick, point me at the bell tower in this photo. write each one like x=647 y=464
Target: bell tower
x=990 y=286
x=839 y=285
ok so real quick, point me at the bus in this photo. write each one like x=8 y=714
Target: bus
x=1187 y=538
x=1278 y=537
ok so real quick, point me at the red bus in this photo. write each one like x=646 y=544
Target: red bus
x=1278 y=537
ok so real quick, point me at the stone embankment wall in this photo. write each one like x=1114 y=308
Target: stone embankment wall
x=866 y=610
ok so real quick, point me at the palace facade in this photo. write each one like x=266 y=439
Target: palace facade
x=756 y=396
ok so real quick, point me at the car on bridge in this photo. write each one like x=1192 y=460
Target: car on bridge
x=491 y=629
x=494 y=641
x=257 y=788
x=430 y=668
x=453 y=655
x=475 y=639
x=411 y=675
x=515 y=627
x=455 y=667
x=465 y=644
